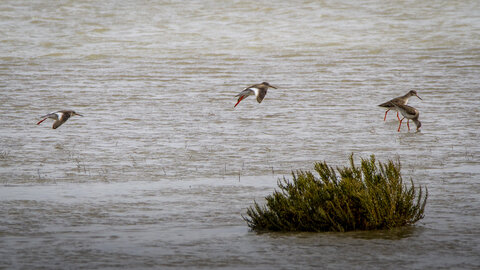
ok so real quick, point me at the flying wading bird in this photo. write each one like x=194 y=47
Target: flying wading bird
x=60 y=117
x=259 y=90
x=403 y=100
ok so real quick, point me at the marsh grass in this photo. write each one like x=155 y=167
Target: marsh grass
x=370 y=197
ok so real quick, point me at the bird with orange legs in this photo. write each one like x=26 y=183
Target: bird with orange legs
x=60 y=117
x=259 y=90
x=403 y=100
x=410 y=113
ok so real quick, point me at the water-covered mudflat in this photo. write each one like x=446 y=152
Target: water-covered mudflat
x=160 y=169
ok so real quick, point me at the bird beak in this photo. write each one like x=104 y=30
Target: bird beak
x=273 y=86
x=79 y=114
x=419 y=97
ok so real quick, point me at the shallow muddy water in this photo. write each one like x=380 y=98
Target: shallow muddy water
x=160 y=169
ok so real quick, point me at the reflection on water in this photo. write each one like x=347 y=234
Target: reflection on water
x=393 y=234
x=160 y=169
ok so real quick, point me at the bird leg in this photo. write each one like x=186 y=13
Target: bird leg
x=42 y=120
x=239 y=99
x=400 y=124
x=408 y=124
x=385 y=115
x=398 y=117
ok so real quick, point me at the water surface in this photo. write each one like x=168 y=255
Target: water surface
x=161 y=168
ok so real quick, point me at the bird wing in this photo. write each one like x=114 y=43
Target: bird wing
x=261 y=94
x=62 y=119
x=246 y=92
x=53 y=115
x=387 y=104
x=406 y=110
x=410 y=110
x=390 y=104
x=398 y=100
x=57 y=123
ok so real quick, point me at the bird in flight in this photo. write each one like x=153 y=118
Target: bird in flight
x=60 y=117
x=259 y=90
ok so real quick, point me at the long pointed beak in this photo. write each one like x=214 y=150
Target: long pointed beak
x=79 y=114
x=273 y=86
x=419 y=97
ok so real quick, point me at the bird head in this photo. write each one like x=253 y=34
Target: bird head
x=419 y=124
x=414 y=93
x=269 y=85
x=74 y=113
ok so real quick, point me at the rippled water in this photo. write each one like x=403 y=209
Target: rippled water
x=161 y=167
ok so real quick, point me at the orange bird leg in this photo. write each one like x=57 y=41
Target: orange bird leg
x=398 y=117
x=386 y=115
x=239 y=99
x=408 y=124
x=400 y=125
x=39 y=122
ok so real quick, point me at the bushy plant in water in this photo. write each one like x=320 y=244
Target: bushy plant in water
x=368 y=197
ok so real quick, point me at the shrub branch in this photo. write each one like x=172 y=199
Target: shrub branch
x=369 y=197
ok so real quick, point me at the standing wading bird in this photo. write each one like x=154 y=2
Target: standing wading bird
x=403 y=100
x=60 y=117
x=410 y=113
x=259 y=90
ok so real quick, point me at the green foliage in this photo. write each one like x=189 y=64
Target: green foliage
x=368 y=197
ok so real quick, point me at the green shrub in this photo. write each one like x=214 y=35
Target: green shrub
x=368 y=197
